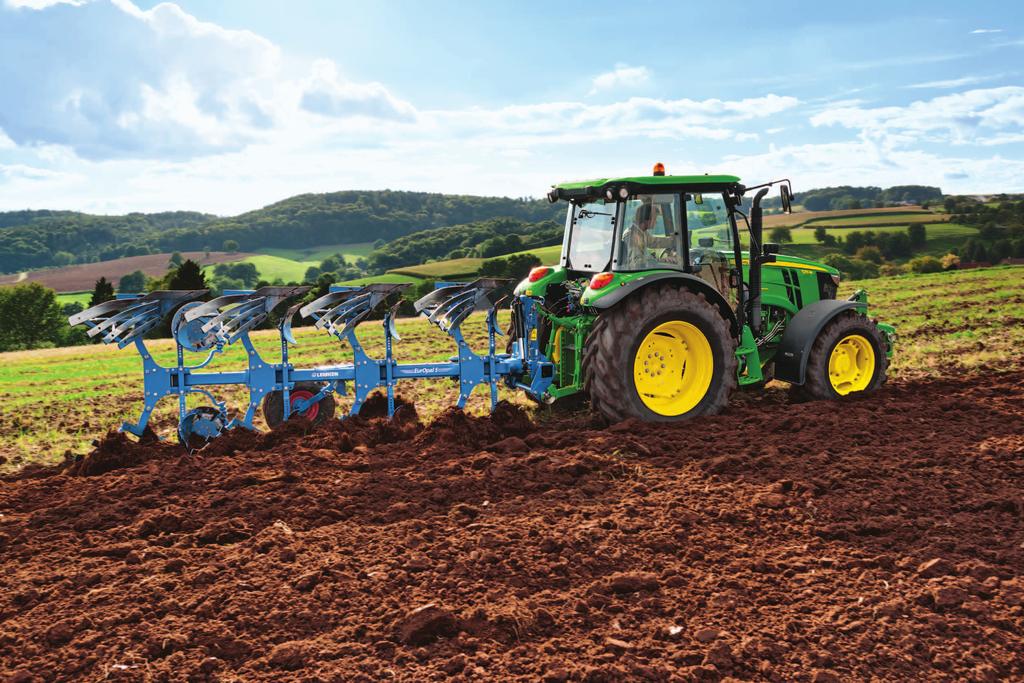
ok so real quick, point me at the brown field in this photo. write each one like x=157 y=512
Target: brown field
x=803 y=217
x=83 y=277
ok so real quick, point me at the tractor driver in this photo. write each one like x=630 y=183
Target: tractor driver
x=640 y=242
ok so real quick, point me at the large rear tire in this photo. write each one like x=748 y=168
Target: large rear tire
x=847 y=358
x=664 y=354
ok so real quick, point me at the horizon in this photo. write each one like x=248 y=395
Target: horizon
x=113 y=107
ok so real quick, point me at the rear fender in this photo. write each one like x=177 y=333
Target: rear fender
x=803 y=329
x=685 y=279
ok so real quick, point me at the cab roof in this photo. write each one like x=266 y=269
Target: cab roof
x=664 y=183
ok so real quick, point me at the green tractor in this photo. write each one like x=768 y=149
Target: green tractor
x=660 y=306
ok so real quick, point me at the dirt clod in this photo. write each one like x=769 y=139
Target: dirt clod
x=425 y=624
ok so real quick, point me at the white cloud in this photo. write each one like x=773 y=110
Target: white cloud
x=987 y=30
x=622 y=76
x=324 y=92
x=866 y=162
x=957 y=118
x=160 y=84
x=955 y=82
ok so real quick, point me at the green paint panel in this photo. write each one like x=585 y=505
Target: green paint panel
x=653 y=180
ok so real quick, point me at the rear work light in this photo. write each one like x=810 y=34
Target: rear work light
x=538 y=272
x=600 y=280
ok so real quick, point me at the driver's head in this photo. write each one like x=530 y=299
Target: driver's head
x=645 y=216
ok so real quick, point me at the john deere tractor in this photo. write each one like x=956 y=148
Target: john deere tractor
x=661 y=304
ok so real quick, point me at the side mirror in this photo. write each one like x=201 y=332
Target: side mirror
x=771 y=248
x=706 y=242
x=787 y=199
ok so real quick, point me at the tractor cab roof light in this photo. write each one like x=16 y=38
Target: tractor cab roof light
x=659 y=168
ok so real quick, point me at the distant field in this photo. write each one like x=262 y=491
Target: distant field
x=854 y=216
x=74 y=297
x=290 y=265
x=83 y=277
x=450 y=268
x=314 y=255
x=273 y=267
x=884 y=219
x=385 y=278
x=941 y=237
x=462 y=267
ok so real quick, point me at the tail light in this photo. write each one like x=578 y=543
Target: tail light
x=600 y=280
x=538 y=272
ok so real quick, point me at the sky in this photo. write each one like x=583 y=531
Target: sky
x=225 y=106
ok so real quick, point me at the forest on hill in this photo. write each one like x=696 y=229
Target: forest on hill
x=38 y=239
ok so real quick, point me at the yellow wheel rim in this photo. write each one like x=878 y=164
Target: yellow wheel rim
x=851 y=365
x=673 y=367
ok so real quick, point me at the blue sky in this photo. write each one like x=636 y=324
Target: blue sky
x=224 y=106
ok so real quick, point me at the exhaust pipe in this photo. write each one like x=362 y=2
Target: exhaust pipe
x=757 y=257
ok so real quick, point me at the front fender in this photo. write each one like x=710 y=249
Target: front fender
x=803 y=329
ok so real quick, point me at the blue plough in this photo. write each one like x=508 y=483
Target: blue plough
x=284 y=390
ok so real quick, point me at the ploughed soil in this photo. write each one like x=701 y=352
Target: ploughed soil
x=879 y=538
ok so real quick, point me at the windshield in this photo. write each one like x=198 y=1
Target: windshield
x=652 y=236
x=589 y=232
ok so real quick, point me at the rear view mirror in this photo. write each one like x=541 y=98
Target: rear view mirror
x=787 y=199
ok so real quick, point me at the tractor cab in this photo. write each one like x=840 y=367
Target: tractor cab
x=629 y=226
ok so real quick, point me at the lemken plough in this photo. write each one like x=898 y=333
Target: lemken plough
x=659 y=307
x=283 y=389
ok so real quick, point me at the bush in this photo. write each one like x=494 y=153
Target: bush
x=30 y=318
x=950 y=262
x=890 y=269
x=230 y=246
x=917 y=235
x=132 y=283
x=870 y=253
x=926 y=264
x=780 y=235
x=823 y=237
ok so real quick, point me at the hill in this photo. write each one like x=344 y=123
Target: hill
x=36 y=239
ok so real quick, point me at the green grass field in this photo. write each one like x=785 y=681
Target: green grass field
x=386 y=278
x=74 y=297
x=61 y=399
x=941 y=237
x=314 y=255
x=464 y=267
x=290 y=265
x=894 y=218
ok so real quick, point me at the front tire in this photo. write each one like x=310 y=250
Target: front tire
x=664 y=354
x=847 y=358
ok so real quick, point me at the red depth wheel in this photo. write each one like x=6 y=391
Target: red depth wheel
x=321 y=411
x=300 y=395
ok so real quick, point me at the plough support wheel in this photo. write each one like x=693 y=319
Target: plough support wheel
x=319 y=412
